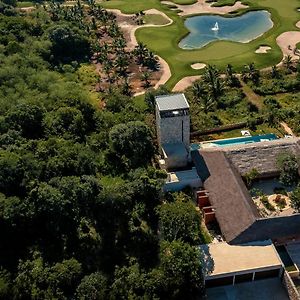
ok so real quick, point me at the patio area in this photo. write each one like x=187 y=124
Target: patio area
x=272 y=198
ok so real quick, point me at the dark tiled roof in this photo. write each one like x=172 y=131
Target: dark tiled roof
x=171 y=102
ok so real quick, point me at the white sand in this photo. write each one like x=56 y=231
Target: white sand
x=185 y=82
x=263 y=49
x=203 y=7
x=198 y=66
x=287 y=42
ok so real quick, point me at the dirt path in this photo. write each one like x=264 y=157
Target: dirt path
x=287 y=129
x=251 y=96
x=203 y=7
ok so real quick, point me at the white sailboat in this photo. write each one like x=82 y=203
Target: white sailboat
x=216 y=27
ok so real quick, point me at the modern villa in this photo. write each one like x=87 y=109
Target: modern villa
x=221 y=170
x=248 y=229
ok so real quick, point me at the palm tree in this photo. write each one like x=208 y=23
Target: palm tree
x=126 y=88
x=151 y=61
x=207 y=103
x=288 y=63
x=145 y=77
x=141 y=52
x=121 y=63
x=231 y=79
x=212 y=78
x=198 y=90
x=250 y=72
x=119 y=44
x=274 y=72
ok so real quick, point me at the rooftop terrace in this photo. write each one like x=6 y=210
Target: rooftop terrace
x=171 y=102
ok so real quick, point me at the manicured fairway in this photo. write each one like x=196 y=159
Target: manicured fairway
x=164 y=40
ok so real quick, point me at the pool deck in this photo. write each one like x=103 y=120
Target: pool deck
x=237 y=141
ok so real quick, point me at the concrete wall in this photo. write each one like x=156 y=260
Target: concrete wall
x=270 y=228
x=290 y=287
x=203 y=201
x=176 y=161
x=180 y=185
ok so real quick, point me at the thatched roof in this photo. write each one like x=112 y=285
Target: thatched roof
x=262 y=156
x=237 y=215
x=235 y=210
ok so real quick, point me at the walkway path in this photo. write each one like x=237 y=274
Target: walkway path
x=251 y=96
x=287 y=129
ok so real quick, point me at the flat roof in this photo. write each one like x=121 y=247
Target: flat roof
x=171 y=102
x=224 y=259
x=174 y=149
x=184 y=175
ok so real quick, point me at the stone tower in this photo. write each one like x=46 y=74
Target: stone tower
x=173 y=129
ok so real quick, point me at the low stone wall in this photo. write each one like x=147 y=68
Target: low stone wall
x=290 y=287
x=219 y=129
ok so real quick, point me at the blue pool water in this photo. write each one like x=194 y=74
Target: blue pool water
x=236 y=141
x=243 y=29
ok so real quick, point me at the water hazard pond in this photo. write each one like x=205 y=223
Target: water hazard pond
x=209 y=28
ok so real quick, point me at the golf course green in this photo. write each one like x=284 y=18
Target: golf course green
x=164 y=40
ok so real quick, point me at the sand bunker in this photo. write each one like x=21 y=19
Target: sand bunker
x=203 y=7
x=287 y=42
x=132 y=28
x=185 y=83
x=263 y=49
x=198 y=66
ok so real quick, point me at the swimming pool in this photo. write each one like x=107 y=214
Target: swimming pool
x=235 y=141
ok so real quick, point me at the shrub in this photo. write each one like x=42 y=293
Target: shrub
x=295 y=199
x=264 y=200
x=280 y=190
x=287 y=163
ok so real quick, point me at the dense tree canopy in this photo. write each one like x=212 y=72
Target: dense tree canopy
x=289 y=168
x=79 y=195
x=180 y=220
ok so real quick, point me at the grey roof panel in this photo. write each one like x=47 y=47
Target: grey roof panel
x=171 y=102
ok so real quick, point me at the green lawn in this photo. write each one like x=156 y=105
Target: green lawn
x=164 y=40
x=155 y=19
x=184 y=2
x=25 y=4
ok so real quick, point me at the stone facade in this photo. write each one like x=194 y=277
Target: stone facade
x=171 y=130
